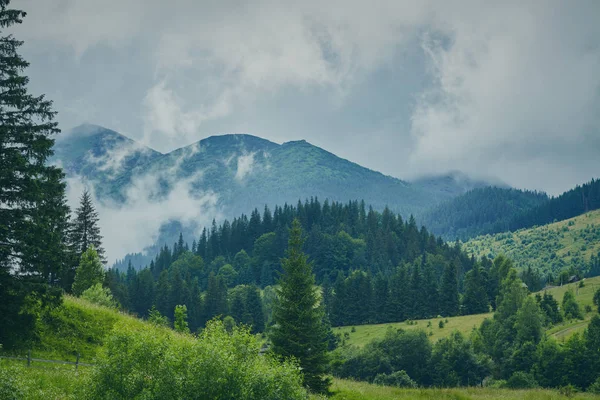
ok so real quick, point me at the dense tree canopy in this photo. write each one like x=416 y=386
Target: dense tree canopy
x=33 y=210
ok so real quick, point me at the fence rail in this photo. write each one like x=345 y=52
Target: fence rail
x=29 y=360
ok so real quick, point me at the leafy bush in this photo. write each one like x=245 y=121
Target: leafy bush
x=398 y=379
x=160 y=364
x=99 y=295
x=521 y=380
x=595 y=387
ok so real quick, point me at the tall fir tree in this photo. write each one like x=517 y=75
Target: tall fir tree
x=475 y=299
x=449 y=302
x=299 y=330
x=85 y=229
x=33 y=210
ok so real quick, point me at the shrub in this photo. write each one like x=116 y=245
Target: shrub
x=397 y=379
x=99 y=295
x=521 y=380
x=441 y=324
x=159 y=364
x=595 y=387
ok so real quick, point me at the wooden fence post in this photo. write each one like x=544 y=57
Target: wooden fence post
x=29 y=357
x=77 y=362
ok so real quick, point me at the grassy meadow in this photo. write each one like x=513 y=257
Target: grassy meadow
x=363 y=334
x=351 y=390
x=548 y=247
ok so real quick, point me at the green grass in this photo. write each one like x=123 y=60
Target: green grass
x=350 y=390
x=549 y=248
x=365 y=333
x=46 y=381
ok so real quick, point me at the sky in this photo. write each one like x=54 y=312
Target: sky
x=507 y=89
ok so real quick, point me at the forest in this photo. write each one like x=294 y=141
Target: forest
x=492 y=210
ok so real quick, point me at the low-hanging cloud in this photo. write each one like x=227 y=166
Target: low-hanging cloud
x=133 y=224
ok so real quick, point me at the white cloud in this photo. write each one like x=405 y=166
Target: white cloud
x=245 y=165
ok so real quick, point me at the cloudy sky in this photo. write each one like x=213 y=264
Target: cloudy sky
x=508 y=89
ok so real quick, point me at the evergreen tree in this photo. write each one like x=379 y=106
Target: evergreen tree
x=254 y=307
x=85 y=230
x=89 y=272
x=299 y=331
x=33 y=210
x=215 y=302
x=475 y=300
x=449 y=303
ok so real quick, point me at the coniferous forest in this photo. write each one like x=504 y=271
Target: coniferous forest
x=373 y=267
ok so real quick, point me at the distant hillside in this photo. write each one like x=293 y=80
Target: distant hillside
x=549 y=248
x=480 y=211
x=452 y=184
x=572 y=203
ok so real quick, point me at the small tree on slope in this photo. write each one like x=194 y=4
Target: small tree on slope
x=299 y=331
x=89 y=272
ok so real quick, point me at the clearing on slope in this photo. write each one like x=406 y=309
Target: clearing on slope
x=549 y=248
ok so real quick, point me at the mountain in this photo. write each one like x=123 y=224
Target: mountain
x=452 y=184
x=236 y=173
x=245 y=171
x=479 y=211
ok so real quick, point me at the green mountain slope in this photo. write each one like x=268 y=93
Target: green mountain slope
x=479 y=211
x=549 y=248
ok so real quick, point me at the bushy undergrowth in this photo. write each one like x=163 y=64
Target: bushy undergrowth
x=159 y=364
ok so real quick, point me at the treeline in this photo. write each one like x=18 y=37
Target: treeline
x=509 y=350
x=480 y=211
x=376 y=260
x=570 y=204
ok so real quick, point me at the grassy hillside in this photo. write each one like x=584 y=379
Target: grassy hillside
x=550 y=247
x=350 y=390
x=363 y=334
x=360 y=335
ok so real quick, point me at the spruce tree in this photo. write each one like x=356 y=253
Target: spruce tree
x=85 y=230
x=33 y=210
x=449 y=303
x=475 y=300
x=299 y=330
x=255 y=308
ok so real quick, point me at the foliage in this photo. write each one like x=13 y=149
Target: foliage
x=299 y=331
x=480 y=211
x=521 y=380
x=455 y=363
x=89 y=273
x=597 y=299
x=180 y=324
x=85 y=229
x=99 y=295
x=373 y=282
x=397 y=379
x=572 y=246
x=161 y=365
x=156 y=318
x=33 y=209
x=570 y=307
